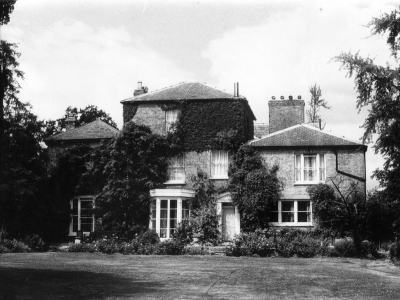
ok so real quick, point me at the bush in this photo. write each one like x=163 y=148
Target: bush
x=14 y=246
x=170 y=247
x=108 y=246
x=251 y=244
x=345 y=248
x=35 y=242
x=205 y=223
x=90 y=248
x=369 y=250
x=394 y=252
x=149 y=237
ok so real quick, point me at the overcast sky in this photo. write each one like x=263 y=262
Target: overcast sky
x=76 y=53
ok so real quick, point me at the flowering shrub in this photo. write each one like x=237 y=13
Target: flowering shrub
x=254 y=243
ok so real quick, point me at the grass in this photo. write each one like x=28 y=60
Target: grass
x=98 y=276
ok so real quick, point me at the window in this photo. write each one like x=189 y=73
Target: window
x=291 y=212
x=173 y=212
x=82 y=215
x=176 y=169
x=219 y=164
x=171 y=116
x=310 y=168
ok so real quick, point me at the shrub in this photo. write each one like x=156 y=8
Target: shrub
x=4 y=249
x=205 y=223
x=369 y=250
x=15 y=246
x=107 y=246
x=90 y=248
x=394 y=252
x=249 y=244
x=170 y=247
x=149 y=237
x=35 y=242
x=345 y=248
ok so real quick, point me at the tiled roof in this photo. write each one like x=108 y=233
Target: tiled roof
x=184 y=91
x=261 y=129
x=302 y=135
x=97 y=129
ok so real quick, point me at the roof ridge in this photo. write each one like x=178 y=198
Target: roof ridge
x=331 y=134
x=154 y=92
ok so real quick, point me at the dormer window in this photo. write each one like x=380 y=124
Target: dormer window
x=219 y=164
x=310 y=168
x=171 y=116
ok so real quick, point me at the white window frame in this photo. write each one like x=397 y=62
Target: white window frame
x=157 y=218
x=319 y=158
x=295 y=211
x=171 y=116
x=219 y=169
x=80 y=199
x=177 y=166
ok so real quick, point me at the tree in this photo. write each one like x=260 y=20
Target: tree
x=379 y=90
x=137 y=162
x=6 y=8
x=254 y=188
x=9 y=86
x=83 y=116
x=340 y=211
x=316 y=103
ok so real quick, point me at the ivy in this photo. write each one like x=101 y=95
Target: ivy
x=129 y=111
x=203 y=125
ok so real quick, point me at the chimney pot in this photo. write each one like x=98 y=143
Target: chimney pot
x=273 y=98
x=290 y=98
x=299 y=97
x=282 y=97
x=139 y=85
x=70 y=122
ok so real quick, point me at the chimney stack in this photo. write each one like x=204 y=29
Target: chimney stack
x=285 y=113
x=140 y=89
x=70 y=122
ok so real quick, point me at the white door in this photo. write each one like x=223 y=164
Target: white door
x=228 y=222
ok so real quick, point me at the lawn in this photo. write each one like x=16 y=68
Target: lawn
x=99 y=276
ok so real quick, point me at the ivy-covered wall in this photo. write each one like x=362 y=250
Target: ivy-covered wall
x=202 y=124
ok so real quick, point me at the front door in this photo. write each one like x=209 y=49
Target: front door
x=228 y=222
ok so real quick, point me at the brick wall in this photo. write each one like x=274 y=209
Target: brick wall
x=285 y=113
x=151 y=115
x=349 y=161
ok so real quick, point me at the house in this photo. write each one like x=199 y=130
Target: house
x=306 y=156
x=208 y=113
x=91 y=134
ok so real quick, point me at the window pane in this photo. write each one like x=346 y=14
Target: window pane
x=287 y=205
x=153 y=214
x=75 y=224
x=303 y=205
x=185 y=204
x=87 y=227
x=163 y=223
x=75 y=207
x=173 y=204
x=298 y=168
x=164 y=203
x=163 y=233
x=322 y=167
x=219 y=163
x=287 y=217
x=173 y=214
x=163 y=213
x=185 y=214
x=172 y=224
x=274 y=207
x=153 y=224
x=303 y=217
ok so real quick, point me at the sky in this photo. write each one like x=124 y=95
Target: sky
x=93 y=52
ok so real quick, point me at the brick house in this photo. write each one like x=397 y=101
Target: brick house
x=91 y=134
x=170 y=205
x=306 y=156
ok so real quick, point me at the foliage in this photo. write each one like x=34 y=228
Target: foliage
x=378 y=90
x=9 y=86
x=90 y=248
x=204 y=190
x=13 y=246
x=202 y=125
x=253 y=187
x=340 y=212
x=82 y=116
x=394 y=252
x=250 y=244
x=345 y=248
x=316 y=103
x=149 y=237
x=136 y=162
x=129 y=111
x=35 y=243
x=6 y=8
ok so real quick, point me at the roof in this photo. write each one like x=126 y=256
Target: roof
x=97 y=129
x=183 y=91
x=303 y=135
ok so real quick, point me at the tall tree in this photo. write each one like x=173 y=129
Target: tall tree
x=316 y=103
x=6 y=8
x=379 y=90
x=9 y=86
x=137 y=162
x=83 y=116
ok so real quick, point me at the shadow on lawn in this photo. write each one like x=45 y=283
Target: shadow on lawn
x=21 y=283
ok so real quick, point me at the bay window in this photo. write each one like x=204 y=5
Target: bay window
x=310 y=168
x=219 y=164
x=291 y=212
x=176 y=169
